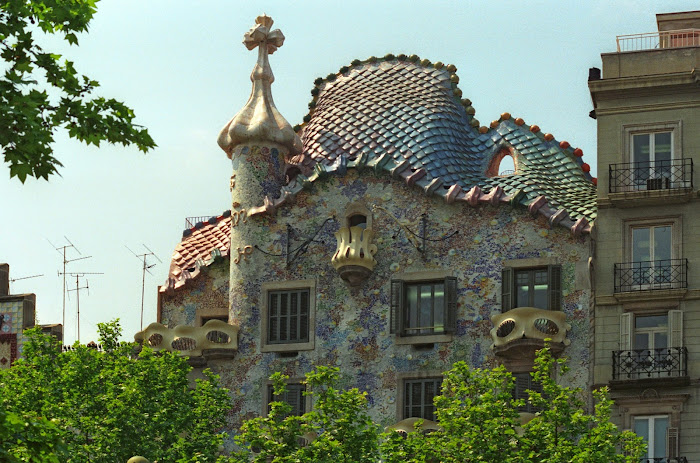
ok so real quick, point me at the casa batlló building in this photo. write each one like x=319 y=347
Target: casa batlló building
x=383 y=237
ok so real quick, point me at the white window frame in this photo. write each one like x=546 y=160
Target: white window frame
x=267 y=288
x=638 y=129
x=651 y=452
x=675 y=222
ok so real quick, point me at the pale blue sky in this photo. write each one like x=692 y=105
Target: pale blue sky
x=182 y=67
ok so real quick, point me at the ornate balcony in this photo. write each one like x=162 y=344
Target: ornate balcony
x=354 y=255
x=518 y=333
x=639 y=366
x=651 y=275
x=215 y=340
x=646 y=183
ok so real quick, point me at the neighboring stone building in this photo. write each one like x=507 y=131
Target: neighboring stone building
x=646 y=236
x=16 y=315
x=381 y=236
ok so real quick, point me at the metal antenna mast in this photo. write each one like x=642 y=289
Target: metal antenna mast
x=146 y=268
x=12 y=280
x=78 y=276
x=62 y=250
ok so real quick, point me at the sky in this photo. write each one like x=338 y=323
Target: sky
x=181 y=66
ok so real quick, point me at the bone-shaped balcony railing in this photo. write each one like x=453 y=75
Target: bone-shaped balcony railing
x=190 y=340
x=529 y=323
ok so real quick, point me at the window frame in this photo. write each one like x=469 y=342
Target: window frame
x=397 y=307
x=651 y=428
x=629 y=130
x=509 y=283
x=675 y=222
x=280 y=286
x=523 y=382
x=423 y=378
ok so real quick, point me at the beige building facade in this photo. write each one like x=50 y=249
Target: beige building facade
x=646 y=236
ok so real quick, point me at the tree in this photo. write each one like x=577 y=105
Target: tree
x=26 y=438
x=477 y=415
x=110 y=404
x=39 y=93
x=337 y=430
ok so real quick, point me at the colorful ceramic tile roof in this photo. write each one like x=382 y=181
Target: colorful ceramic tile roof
x=404 y=116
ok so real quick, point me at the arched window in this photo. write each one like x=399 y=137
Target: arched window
x=503 y=163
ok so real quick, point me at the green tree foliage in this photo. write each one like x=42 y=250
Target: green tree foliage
x=26 y=438
x=338 y=430
x=112 y=404
x=40 y=92
x=477 y=415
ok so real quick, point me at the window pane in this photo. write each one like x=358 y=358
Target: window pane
x=540 y=290
x=426 y=307
x=641 y=341
x=640 y=152
x=411 y=306
x=651 y=321
x=662 y=148
x=660 y=426
x=439 y=307
x=641 y=428
x=640 y=245
x=660 y=340
x=662 y=243
x=522 y=289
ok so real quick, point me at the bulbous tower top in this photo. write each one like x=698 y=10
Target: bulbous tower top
x=259 y=120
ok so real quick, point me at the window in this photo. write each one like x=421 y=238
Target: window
x=523 y=383
x=651 y=253
x=531 y=287
x=418 y=395
x=651 y=155
x=288 y=316
x=204 y=319
x=421 y=308
x=654 y=430
x=651 y=346
x=293 y=395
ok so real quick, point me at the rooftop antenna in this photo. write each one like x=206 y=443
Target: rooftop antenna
x=146 y=268
x=78 y=276
x=12 y=280
x=62 y=250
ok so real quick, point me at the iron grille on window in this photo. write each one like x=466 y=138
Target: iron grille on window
x=651 y=175
x=669 y=362
x=293 y=395
x=418 y=397
x=650 y=275
x=288 y=316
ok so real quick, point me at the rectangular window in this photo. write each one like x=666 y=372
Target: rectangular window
x=651 y=254
x=533 y=287
x=288 y=316
x=653 y=429
x=523 y=383
x=418 y=397
x=423 y=307
x=293 y=395
x=652 y=154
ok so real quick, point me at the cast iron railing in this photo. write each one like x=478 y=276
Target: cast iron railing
x=675 y=174
x=650 y=275
x=670 y=362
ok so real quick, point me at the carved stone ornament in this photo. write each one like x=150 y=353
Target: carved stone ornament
x=259 y=120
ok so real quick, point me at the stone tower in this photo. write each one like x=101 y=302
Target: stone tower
x=258 y=140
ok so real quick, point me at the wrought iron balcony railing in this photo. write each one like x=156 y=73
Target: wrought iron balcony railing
x=676 y=174
x=651 y=275
x=664 y=460
x=670 y=362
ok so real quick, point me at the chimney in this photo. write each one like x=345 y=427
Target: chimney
x=4 y=279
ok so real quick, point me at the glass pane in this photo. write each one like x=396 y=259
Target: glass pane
x=439 y=308
x=641 y=428
x=412 y=306
x=522 y=285
x=641 y=341
x=426 y=307
x=640 y=151
x=662 y=148
x=660 y=340
x=662 y=243
x=651 y=321
x=640 y=245
x=660 y=426
x=540 y=290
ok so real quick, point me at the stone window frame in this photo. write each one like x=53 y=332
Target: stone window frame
x=675 y=221
x=401 y=378
x=675 y=127
x=512 y=266
x=416 y=277
x=267 y=287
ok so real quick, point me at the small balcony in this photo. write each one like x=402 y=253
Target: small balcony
x=671 y=176
x=214 y=340
x=354 y=255
x=646 y=368
x=658 y=40
x=518 y=333
x=668 y=274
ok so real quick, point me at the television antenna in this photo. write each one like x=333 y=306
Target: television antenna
x=145 y=268
x=78 y=276
x=12 y=280
x=62 y=250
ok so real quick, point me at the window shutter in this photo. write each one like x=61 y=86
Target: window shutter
x=292 y=398
x=450 y=304
x=675 y=328
x=554 y=284
x=626 y=331
x=506 y=289
x=672 y=442
x=395 y=314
